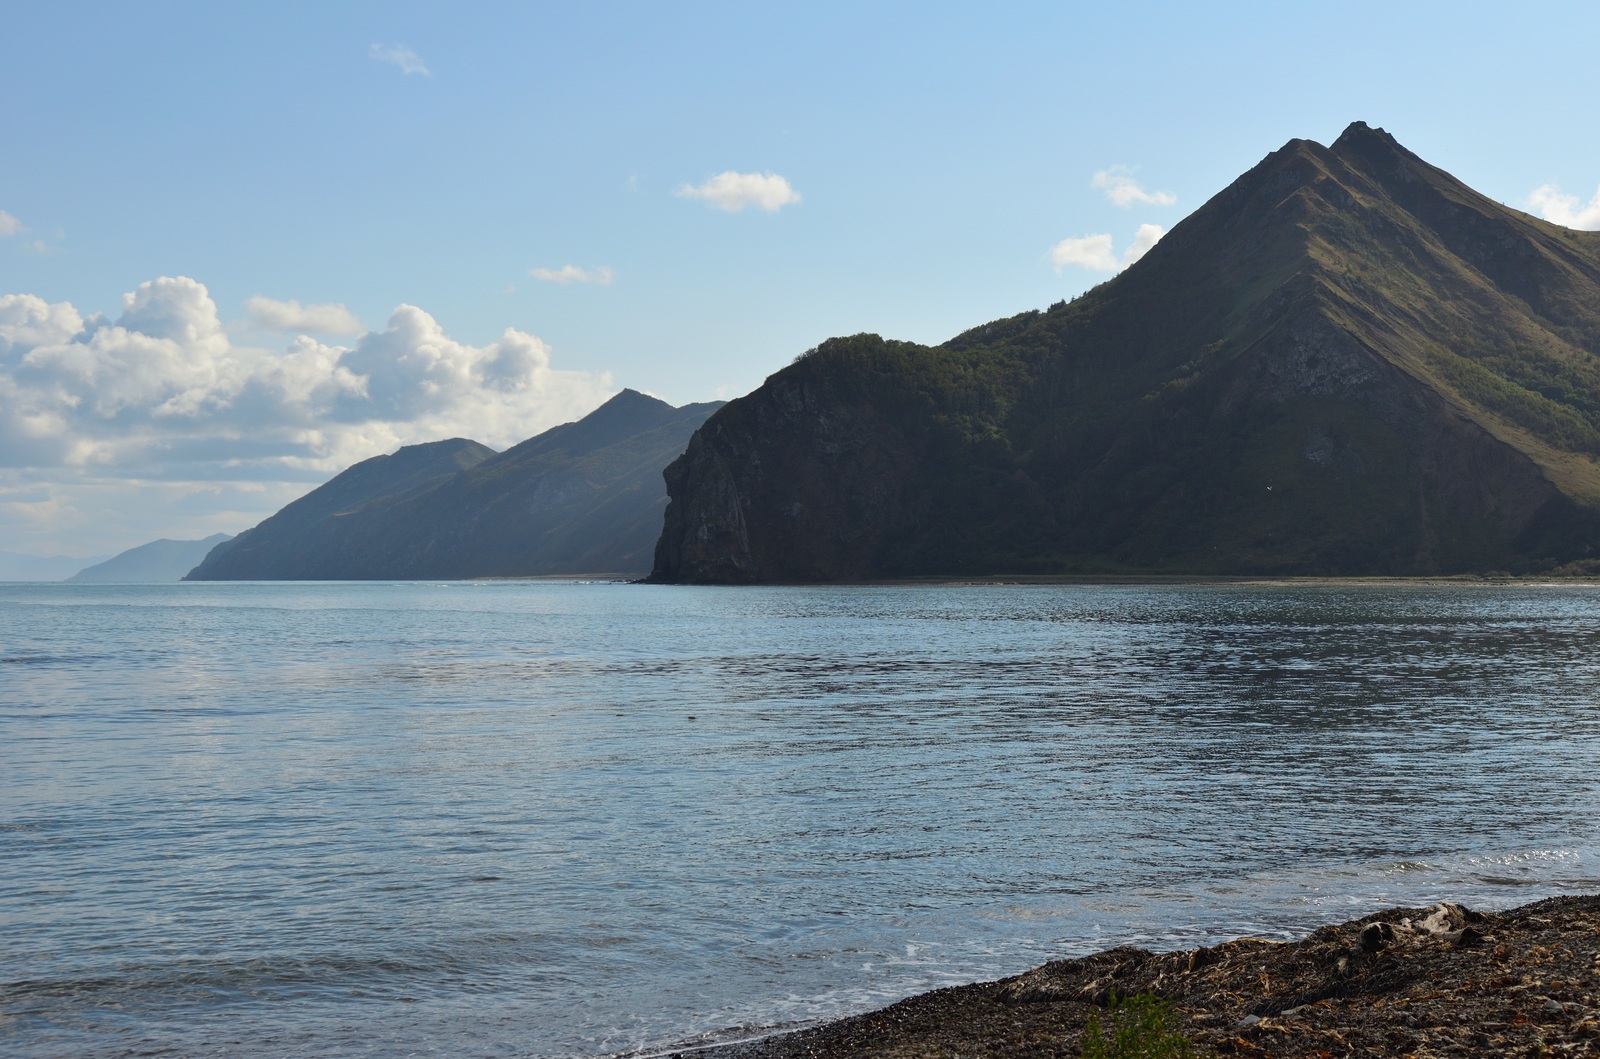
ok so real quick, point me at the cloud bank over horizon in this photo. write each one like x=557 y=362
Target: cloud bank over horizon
x=163 y=397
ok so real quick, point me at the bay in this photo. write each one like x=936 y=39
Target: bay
x=567 y=819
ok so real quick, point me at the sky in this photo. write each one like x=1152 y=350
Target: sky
x=243 y=246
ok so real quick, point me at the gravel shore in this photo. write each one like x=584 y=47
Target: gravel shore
x=1441 y=981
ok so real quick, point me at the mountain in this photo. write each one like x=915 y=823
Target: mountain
x=580 y=498
x=162 y=560
x=1347 y=362
x=302 y=542
x=15 y=566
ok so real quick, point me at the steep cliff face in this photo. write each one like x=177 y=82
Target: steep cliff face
x=1346 y=362
x=794 y=460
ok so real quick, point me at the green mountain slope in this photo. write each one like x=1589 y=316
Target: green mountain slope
x=583 y=497
x=1346 y=362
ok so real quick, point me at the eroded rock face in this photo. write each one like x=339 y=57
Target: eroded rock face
x=794 y=485
x=1311 y=357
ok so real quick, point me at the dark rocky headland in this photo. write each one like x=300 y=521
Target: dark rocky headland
x=1445 y=981
x=1348 y=362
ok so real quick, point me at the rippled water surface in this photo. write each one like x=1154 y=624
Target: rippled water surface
x=535 y=819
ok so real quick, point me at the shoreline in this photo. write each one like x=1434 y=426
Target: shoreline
x=1173 y=580
x=1243 y=580
x=1439 y=981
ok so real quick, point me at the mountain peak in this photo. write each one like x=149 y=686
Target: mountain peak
x=1358 y=131
x=630 y=398
x=1347 y=361
x=627 y=411
x=1376 y=152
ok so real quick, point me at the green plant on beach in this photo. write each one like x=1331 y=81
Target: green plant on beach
x=1139 y=1029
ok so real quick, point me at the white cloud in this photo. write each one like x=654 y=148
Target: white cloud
x=1085 y=251
x=9 y=225
x=1120 y=187
x=1564 y=210
x=573 y=274
x=1098 y=252
x=734 y=191
x=163 y=395
x=1147 y=236
x=400 y=55
x=326 y=319
x=27 y=321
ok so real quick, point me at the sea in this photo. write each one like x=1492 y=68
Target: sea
x=565 y=819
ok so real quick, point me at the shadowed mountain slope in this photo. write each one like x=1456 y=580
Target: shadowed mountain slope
x=583 y=497
x=1346 y=362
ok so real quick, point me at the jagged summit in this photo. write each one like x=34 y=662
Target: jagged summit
x=1347 y=361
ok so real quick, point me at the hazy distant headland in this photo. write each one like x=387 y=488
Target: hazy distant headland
x=160 y=560
x=580 y=498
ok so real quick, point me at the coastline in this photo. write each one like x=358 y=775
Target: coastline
x=1251 y=580
x=1138 y=580
x=1440 y=981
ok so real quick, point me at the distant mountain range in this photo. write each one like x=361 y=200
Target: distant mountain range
x=581 y=498
x=1347 y=362
x=162 y=560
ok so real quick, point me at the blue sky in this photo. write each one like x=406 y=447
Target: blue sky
x=908 y=169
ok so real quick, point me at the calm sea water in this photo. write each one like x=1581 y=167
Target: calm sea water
x=532 y=819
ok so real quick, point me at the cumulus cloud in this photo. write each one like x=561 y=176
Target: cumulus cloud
x=573 y=274
x=27 y=321
x=1098 y=252
x=399 y=55
x=1120 y=187
x=1085 y=251
x=9 y=225
x=1565 y=210
x=326 y=319
x=734 y=191
x=1147 y=236
x=162 y=394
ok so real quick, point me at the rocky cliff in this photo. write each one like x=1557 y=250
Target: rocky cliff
x=1347 y=362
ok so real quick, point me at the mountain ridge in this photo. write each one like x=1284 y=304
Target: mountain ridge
x=580 y=498
x=1345 y=361
x=157 y=560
